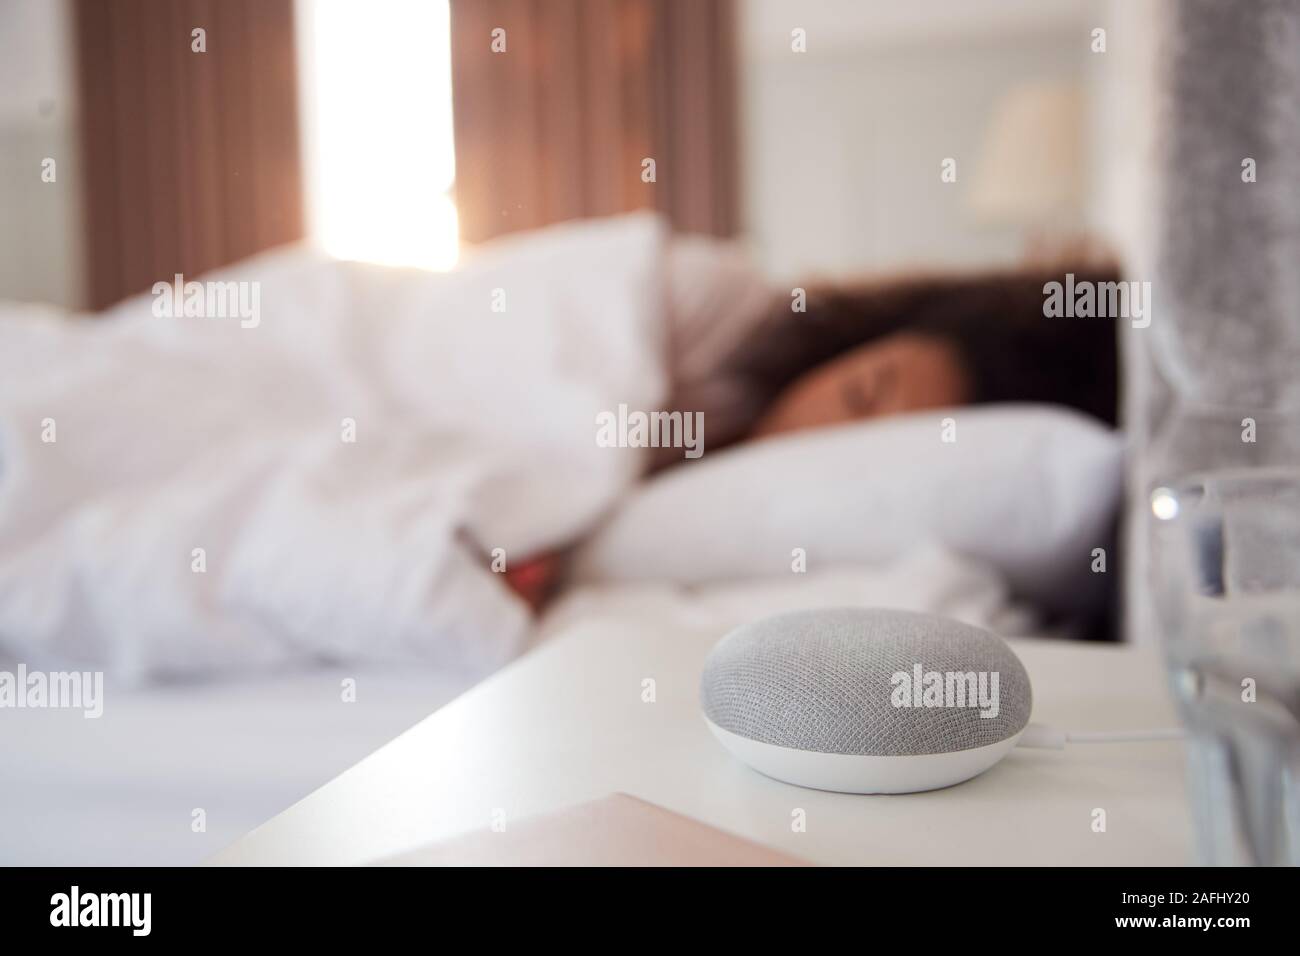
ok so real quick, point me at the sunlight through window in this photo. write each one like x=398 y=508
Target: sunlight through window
x=377 y=130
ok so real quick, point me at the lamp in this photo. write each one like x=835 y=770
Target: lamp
x=1030 y=172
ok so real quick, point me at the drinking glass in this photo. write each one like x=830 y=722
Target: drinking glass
x=1226 y=578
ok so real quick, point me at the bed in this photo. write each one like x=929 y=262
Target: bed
x=279 y=541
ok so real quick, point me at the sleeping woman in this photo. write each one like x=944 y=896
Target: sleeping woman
x=906 y=345
x=757 y=368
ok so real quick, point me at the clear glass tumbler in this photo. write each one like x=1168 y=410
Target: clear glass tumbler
x=1225 y=564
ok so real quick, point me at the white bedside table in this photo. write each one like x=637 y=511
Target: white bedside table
x=566 y=724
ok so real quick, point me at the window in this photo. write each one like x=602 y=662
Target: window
x=377 y=130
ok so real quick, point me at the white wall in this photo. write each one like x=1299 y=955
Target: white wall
x=41 y=256
x=1123 y=127
x=842 y=145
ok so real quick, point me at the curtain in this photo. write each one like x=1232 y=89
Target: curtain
x=557 y=122
x=191 y=158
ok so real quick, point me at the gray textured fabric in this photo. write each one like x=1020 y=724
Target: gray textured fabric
x=1228 y=266
x=1224 y=341
x=821 y=680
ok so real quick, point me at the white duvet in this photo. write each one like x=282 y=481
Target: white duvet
x=474 y=430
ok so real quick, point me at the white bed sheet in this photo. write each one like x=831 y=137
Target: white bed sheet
x=926 y=578
x=121 y=789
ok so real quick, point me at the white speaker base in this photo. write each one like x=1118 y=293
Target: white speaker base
x=852 y=773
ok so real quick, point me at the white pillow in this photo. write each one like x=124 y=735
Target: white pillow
x=1031 y=489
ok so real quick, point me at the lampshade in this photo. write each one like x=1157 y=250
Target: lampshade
x=1030 y=168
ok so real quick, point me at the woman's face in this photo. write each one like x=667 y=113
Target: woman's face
x=899 y=373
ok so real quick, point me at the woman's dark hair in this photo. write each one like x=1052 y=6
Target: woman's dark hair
x=1011 y=350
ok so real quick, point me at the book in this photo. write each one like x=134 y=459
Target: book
x=617 y=830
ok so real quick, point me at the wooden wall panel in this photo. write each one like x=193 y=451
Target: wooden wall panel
x=192 y=159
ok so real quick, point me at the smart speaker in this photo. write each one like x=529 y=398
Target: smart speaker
x=865 y=700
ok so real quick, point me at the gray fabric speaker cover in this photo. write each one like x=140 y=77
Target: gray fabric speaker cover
x=822 y=680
